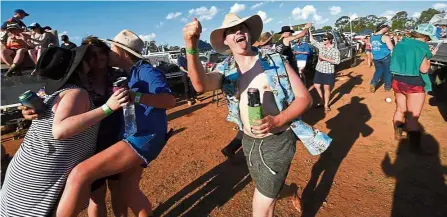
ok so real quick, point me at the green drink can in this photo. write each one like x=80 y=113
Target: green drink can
x=254 y=105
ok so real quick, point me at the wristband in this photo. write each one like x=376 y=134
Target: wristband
x=137 y=97
x=106 y=109
x=192 y=51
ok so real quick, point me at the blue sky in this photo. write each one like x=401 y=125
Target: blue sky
x=163 y=21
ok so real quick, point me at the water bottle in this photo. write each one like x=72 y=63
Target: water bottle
x=130 y=124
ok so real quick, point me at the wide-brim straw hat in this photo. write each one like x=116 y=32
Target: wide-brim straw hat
x=254 y=24
x=128 y=41
x=264 y=39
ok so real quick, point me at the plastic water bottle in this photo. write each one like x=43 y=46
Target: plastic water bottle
x=130 y=124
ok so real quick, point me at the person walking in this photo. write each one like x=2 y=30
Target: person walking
x=410 y=64
x=381 y=46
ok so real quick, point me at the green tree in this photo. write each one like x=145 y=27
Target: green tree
x=276 y=37
x=399 y=20
x=342 y=24
x=427 y=15
x=326 y=28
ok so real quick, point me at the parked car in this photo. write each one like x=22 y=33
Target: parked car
x=438 y=69
x=212 y=59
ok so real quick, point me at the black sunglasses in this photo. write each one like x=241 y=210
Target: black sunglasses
x=325 y=39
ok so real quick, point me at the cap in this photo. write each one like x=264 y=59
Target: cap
x=47 y=28
x=21 y=11
x=64 y=37
x=380 y=26
x=34 y=25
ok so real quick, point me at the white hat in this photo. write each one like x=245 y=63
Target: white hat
x=254 y=24
x=128 y=41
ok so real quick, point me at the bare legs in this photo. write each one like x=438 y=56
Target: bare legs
x=100 y=165
x=327 y=94
x=13 y=62
x=263 y=206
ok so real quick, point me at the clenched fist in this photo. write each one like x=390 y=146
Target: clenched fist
x=191 y=33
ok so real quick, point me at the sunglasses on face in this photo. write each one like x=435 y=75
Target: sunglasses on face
x=234 y=29
x=325 y=39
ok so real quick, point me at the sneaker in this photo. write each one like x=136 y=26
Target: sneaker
x=372 y=89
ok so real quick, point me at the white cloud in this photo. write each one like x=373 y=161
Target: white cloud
x=388 y=14
x=304 y=13
x=257 y=5
x=173 y=15
x=204 y=29
x=307 y=12
x=439 y=6
x=335 y=10
x=160 y=24
x=353 y=17
x=264 y=17
x=236 y=8
x=280 y=22
x=64 y=33
x=280 y=5
x=184 y=19
x=416 y=14
x=148 y=37
x=204 y=13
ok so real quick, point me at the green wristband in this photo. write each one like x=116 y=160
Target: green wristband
x=137 y=97
x=192 y=51
x=106 y=109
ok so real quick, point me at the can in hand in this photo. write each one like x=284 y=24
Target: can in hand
x=121 y=82
x=31 y=100
x=254 y=105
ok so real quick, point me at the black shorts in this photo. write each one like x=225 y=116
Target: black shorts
x=324 y=78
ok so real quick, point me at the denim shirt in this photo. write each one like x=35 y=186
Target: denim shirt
x=273 y=65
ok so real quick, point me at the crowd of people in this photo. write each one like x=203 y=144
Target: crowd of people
x=19 y=42
x=77 y=146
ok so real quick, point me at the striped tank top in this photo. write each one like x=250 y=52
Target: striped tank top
x=36 y=176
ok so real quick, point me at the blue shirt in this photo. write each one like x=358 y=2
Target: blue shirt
x=379 y=49
x=303 y=47
x=181 y=61
x=145 y=78
x=438 y=32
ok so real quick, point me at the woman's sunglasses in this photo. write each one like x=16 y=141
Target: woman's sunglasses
x=325 y=39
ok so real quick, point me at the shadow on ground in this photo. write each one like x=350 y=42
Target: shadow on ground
x=210 y=191
x=355 y=115
x=420 y=189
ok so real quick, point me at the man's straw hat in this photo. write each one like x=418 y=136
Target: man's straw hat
x=254 y=24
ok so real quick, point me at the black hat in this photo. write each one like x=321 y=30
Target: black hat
x=58 y=64
x=286 y=29
x=64 y=37
x=21 y=11
x=380 y=26
x=47 y=28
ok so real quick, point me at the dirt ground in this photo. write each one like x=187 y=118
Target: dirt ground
x=365 y=172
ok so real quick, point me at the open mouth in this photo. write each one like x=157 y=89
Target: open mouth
x=240 y=39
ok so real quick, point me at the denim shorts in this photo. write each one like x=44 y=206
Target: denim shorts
x=147 y=145
x=324 y=78
x=269 y=160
